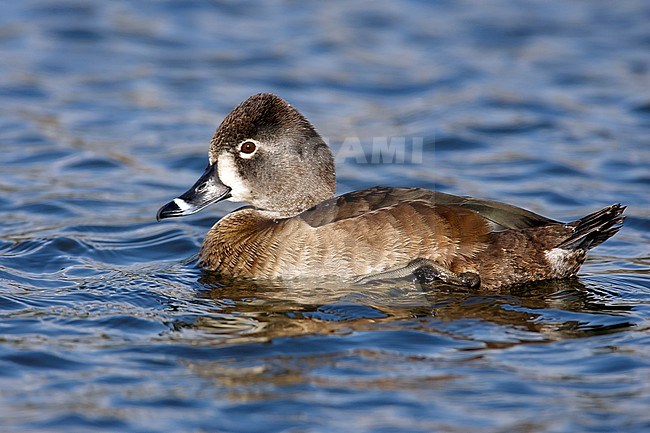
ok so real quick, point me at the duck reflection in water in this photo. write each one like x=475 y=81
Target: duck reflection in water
x=538 y=312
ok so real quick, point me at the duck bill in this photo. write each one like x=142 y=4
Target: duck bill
x=207 y=190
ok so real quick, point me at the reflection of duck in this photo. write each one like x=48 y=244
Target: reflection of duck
x=535 y=312
x=267 y=154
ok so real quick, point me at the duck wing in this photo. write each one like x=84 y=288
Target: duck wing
x=502 y=216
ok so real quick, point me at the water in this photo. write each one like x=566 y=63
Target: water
x=106 y=112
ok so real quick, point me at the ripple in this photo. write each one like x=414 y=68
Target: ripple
x=93 y=164
x=442 y=144
x=343 y=312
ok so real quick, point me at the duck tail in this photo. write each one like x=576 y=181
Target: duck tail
x=595 y=228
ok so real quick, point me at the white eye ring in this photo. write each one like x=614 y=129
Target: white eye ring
x=248 y=148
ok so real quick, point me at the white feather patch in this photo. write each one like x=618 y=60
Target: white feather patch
x=557 y=258
x=229 y=176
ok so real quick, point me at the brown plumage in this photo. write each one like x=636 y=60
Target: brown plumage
x=267 y=154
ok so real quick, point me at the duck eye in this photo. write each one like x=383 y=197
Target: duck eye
x=247 y=147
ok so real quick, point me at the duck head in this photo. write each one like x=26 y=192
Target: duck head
x=264 y=153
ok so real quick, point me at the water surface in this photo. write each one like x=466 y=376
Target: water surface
x=106 y=111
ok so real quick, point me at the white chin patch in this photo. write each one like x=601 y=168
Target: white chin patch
x=230 y=177
x=182 y=204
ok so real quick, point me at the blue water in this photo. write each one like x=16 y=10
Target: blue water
x=106 y=111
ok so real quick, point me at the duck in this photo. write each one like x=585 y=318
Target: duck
x=266 y=154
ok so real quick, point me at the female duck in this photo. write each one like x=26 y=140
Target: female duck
x=265 y=153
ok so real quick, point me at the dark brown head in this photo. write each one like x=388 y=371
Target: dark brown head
x=264 y=153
